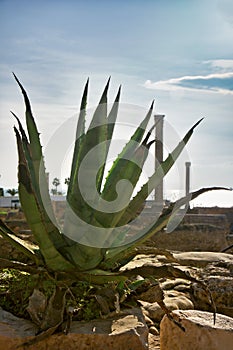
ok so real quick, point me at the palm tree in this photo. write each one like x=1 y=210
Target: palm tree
x=12 y=191
x=56 y=183
x=67 y=181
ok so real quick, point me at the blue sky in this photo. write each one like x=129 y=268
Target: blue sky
x=179 y=53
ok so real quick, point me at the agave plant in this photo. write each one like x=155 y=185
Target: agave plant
x=56 y=251
x=61 y=250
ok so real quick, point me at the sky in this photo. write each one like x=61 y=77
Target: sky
x=179 y=53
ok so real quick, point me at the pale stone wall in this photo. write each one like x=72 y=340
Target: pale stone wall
x=193 y=238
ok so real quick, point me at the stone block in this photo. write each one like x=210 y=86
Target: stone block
x=127 y=331
x=200 y=331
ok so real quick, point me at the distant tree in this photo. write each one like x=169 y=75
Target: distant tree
x=56 y=183
x=12 y=191
x=67 y=181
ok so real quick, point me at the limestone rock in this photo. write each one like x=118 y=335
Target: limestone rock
x=200 y=331
x=127 y=332
x=173 y=300
x=148 y=320
x=177 y=284
x=215 y=269
x=153 y=330
x=201 y=259
x=14 y=330
x=154 y=342
x=219 y=279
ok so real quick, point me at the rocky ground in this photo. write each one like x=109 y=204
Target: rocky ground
x=154 y=342
x=189 y=280
x=213 y=270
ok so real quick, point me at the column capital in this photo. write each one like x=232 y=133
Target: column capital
x=159 y=116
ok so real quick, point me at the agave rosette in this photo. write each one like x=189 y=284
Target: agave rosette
x=60 y=251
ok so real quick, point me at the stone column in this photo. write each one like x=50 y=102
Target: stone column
x=187 y=182
x=187 y=177
x=47 y=178
x=159 y=120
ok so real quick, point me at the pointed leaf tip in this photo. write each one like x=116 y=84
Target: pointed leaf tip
x=201 y=119
x=21 y=86
x=152 y=104
x=87 y=82
x=26 y=99
x=103 y=98
x=149 y=133
x=117 y=99
x=108 y=82
x=21 y=129
x=150 y=143
x=84 y=97
x=15 y=116
x=197 y=123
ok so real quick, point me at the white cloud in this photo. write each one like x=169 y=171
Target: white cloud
x=221 y=64
x=216 y=82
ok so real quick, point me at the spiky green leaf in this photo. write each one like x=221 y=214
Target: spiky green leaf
x=137 y=202
x=36 y=167
x=113 y=177
x=111 y=122
x=25 y=247
x=80 y=134
x=53 y=259
x=117 y=257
